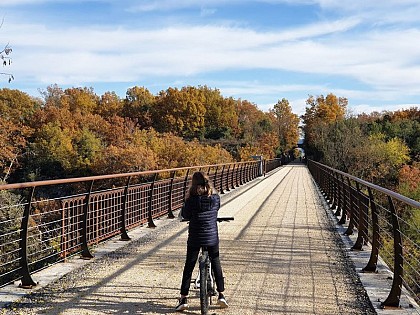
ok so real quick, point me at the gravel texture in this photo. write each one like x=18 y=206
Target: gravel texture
x=281 y=255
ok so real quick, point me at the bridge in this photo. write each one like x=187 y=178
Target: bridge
x=305 y=240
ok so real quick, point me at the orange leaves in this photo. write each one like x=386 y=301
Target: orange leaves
x=410 y=174
x=74 y=132
x=409 y=181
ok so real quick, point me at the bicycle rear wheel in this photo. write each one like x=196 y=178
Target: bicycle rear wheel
x=204 y=296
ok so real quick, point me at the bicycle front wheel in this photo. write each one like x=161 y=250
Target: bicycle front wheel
x=204 y=296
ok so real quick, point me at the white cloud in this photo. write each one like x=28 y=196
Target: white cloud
x=369 y=108
x=383 y=61
x=386 y=60
x=179 y=50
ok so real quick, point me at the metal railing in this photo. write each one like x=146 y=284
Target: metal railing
x=45 y=222
x=382 y=218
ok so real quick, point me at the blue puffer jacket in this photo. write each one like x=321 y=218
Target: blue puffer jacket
x=201 y=211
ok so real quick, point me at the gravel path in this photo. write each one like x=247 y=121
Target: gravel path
x=281 y=255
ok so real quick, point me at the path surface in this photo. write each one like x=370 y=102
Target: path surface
x=281 y=255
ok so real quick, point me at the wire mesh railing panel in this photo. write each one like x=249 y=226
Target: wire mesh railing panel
x=104 y=215
x=11 y=212
x=71 y=224
x=136 y=205
x=160 y=201
x=66 y=217
x=178 y=193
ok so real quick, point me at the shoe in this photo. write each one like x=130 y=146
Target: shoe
x=182 y=304
x=221 y=301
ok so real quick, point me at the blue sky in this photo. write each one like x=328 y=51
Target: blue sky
x=258 y=50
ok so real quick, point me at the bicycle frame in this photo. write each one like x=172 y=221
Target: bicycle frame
x=206 y=281
x=205 y=278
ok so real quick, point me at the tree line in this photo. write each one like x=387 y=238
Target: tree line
x=75 y=132
x=382 y=148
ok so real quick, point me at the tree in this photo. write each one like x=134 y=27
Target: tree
x=16 y=111
x=320 y=111
x=181 y=112
x=138 y=105
x=110 y=105
x=80 y=100
x=221 y=119
x=379 y=161
x=287 y=125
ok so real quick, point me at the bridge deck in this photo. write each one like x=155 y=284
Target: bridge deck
x=281 y=255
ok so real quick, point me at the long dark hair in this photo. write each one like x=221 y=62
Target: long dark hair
x=200 y=185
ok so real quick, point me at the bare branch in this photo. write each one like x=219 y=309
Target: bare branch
x=5 y=56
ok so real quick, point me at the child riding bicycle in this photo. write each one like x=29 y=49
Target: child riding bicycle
x=200 y=209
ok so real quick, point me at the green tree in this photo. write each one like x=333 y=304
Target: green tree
x=379 y=161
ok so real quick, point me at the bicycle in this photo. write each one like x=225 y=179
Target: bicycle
x=205 y=279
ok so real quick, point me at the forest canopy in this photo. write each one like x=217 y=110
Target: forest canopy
x=75 y=132
x=382 y=148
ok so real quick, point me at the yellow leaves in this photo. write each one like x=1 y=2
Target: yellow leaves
x=266 y=146
x=322 y=111
x=76 y=132
x=124 y=159
x=82 y=100
x=287 y=124
x=180 y=111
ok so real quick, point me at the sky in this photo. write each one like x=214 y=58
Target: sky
x=256 y=50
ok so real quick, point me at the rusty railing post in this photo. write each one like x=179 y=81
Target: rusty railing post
x=232 y=177
x=150 y=222
x=361 y=223
x=26 y=280
x=86 y=254
x=221 y=180
x=124 y=235
x=238 y=175
x=394 y=296
x=227 y=178
x=338 y=196
x=334 y=191
x=349 y=230
x=185 y=185
x=343 y=204
x=171 y=188
x=373 y=260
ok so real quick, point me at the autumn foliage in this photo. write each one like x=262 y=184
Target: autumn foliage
x=75 y=132
x=375 y=147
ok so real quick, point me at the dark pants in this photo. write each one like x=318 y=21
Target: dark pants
x=191 y=260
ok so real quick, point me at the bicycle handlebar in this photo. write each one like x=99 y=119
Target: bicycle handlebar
x=225 y=219
x=221 y=219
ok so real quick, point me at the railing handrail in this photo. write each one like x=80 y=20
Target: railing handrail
x=386 y=191
x=108 y=176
